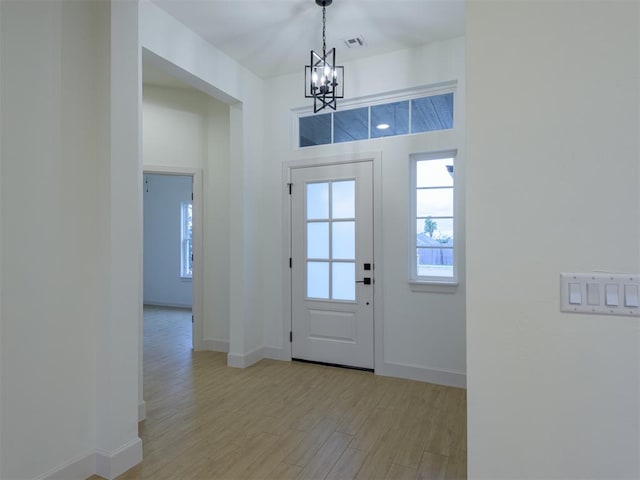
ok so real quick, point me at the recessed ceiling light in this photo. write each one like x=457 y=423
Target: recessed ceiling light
x=382 y=126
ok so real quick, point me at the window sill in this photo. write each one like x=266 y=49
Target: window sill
x=186 y=279
x=433 y=287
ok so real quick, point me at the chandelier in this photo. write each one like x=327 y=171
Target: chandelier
x=323 y=79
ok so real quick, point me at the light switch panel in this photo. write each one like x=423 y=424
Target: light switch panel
x=600 y=293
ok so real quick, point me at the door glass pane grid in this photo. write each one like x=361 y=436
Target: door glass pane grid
x=330 y=240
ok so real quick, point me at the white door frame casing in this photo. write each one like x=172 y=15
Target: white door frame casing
x=376 y=159
x=198 y=247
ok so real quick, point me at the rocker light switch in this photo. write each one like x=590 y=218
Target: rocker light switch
x=593 y=294
x=631 y=296
x=575 y=294
x=612 y=295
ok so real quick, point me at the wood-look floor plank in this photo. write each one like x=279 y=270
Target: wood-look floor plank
x=326 y=457
x=284 y=471
x=400 y=472
x=433 y=466
x=380 y=460
x=285 y=420
x=348 y=465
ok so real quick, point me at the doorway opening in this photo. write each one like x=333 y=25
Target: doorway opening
x=170 y=248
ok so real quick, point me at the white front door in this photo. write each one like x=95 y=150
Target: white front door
x=332 y=264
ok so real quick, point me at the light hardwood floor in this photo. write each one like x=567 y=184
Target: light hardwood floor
x=281 y=420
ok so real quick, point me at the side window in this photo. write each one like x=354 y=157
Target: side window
x=432 y=249
x=186 y=241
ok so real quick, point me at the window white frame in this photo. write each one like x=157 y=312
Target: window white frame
x=414 y=278
x=186 y=241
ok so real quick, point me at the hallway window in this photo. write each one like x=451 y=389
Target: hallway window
x=433 y=247
x=186 y=245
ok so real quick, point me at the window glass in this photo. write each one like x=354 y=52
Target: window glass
x=344 y=281
x=390 y=119
x=434 y=202
x=315 y=130
x=432 y=113
x=317 y=201
x=318 y=240
x=186 y=241
x=344 y=240
x=350 y=125
x=318 y=279
x=435 y=173
x=439 y=229
x=433 y=197
x=343 y=199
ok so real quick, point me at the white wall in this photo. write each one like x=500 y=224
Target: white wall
x=186 y=128
x=553 y=175
x=424 y=333
x=60 y=259
x=49 y=240
x=163 y=198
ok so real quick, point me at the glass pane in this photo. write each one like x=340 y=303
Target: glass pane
x=318 y=279
x=344 y=240
x=432 y=113
x=318 y=240
x=315 y=130
x=436 y=202
x=349 y=125
x=343 y=202
x=434 y=262
x=390 y=119
x=344 y=281
x=317 y=201
x=434 y=232
x=434 y=173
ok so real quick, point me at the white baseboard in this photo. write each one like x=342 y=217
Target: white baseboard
x=244 y=361
x=414 y=372
x=78 y=468
x=107 y=465
x=111 y=464
x=142 y=411
x=161 y=303
x=215 y=345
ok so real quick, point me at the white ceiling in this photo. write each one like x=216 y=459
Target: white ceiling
x=274 y=37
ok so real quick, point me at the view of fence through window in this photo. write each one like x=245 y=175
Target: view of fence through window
x=186 y=246
x=434 y=218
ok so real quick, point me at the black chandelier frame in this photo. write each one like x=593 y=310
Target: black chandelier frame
x=323 y=79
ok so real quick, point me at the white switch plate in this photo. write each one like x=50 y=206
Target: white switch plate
x=620 y=287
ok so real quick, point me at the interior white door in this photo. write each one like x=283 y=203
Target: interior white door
x=332 y=264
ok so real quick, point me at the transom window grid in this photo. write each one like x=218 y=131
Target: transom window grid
x=330 y=240
x=186 y=240
x=433 y=256
x=401 y=117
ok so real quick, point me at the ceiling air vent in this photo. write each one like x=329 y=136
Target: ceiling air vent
x=354 y=42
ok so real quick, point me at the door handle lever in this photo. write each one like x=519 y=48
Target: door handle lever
x=366 y=281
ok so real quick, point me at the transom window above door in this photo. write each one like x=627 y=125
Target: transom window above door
x=417 y=113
